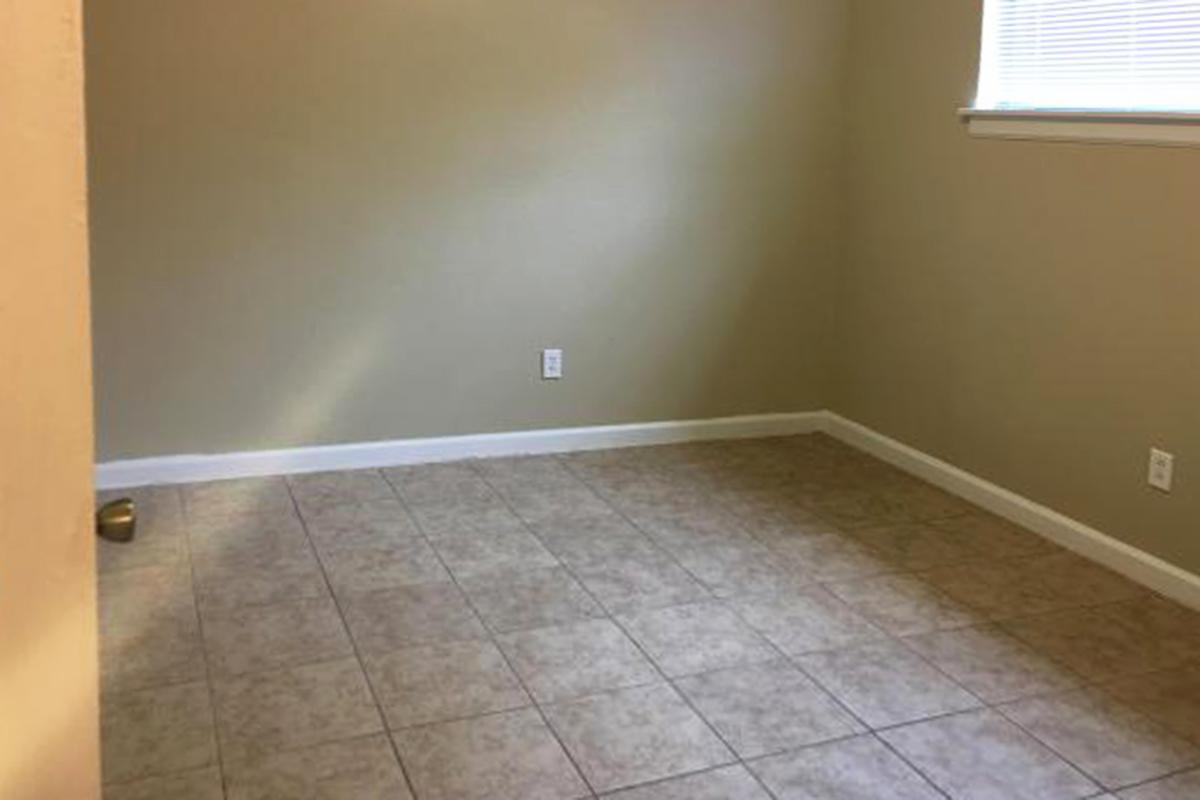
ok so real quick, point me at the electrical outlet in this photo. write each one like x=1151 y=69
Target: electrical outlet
x=1162 y=469
x=552 y=364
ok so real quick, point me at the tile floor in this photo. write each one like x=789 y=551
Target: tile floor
x=776 y=618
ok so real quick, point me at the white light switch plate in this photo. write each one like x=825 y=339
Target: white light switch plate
x=552 y=364
x=1162 y=469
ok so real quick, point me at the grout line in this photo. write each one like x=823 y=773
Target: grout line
x=664 y=471
x=654 y=664
x=208 y=672
x=905 y=760
x=350 y=636
x=868 y=730
x=999 y=709
x=491 y=633
x=1149 y=781
x=617 y=623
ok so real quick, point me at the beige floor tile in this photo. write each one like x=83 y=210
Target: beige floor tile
x=591 y=463
x=1169 y=632
x=357 y=769
x=509 y=756
x=771 y=510
x=375 y=524
x=852 y=508
x=743 y=567
x=258 y=638
x=725 y=783
x=831 y=557
x=429 y=484
x=206 y=502
x=567 y=661
x=149 y=548
x=381 y=622
x=694 y=522
x=1079 y=582
x=440 y=682
x=853 y=769
x=635 y=583
x=660 y=493
x=609 y=480
x=995 y=538
x=372 y=568
x=757 y=523
x=767 y=708
x=595 y=540
x=327 y=489
x=697 y=637
x=156 y=656
x=1170 y=698
x=633 y=736
x=509 y=601
x=202 y=784
x=260 y=578
x=993 y=665
x=149 y=631
x=294 y=707
x=1034 y=585
x=1109 y=741
x=545 y=474
x=904 y=604
x=157 y=732
x=133 y=600
x=537 y=507
x=1092 y=643
x=1178 y=787
x=465 y=516
x=982 y=756
x=999 y=590
x=885 y=683
x=922 y=501
x=462 y=515
x=226 y=541
x=776 y=527
x=805 y=620
x=478 y=552
x=915 y=546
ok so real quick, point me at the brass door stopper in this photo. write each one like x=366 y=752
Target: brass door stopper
x=116 y=521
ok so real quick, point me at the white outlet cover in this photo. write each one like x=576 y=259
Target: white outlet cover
x=1162 y=469
x=552 y=364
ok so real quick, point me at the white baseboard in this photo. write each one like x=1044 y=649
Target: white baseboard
x=1140 y=566
x=191 y=468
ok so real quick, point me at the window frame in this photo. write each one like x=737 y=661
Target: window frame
x=1174 y=129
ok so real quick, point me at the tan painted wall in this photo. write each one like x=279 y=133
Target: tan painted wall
x=321 y=222
x=314 y=225
x=49 y=729
x=1027 y=311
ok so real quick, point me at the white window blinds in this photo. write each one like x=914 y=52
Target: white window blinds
x=1091 y=55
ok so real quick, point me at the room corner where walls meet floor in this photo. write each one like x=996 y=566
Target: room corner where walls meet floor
x=1145 y=568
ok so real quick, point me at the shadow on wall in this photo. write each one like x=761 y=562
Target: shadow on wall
x=313 y=226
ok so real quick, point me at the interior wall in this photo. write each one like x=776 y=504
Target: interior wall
x=322 y=223
x=319 y=222
x=1024 y=310
x=49 y=729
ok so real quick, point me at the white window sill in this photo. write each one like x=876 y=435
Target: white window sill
x=1175 y=130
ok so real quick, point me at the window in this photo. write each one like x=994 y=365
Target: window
x=1133 y=64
